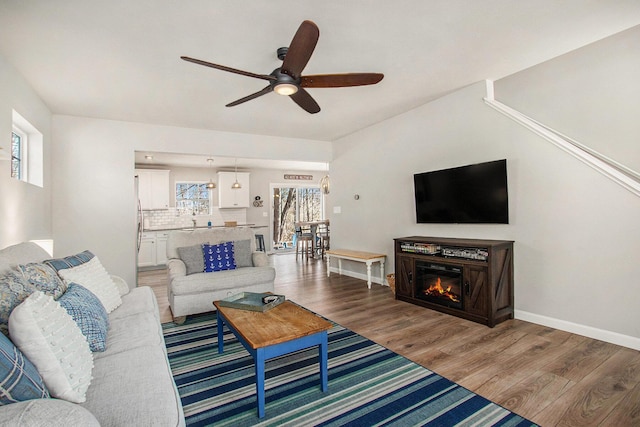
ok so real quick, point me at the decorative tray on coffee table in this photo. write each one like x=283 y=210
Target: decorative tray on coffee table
x=253 y=301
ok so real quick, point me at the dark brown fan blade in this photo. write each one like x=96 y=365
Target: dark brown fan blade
x=264 y=91
x=229 y=69
x=304 y=100
x=341 y=80
x=300 y=49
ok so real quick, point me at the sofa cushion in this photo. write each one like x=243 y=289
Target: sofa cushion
x=49 y=337
x=218 y=257
x=229 y=279
x=193 y=258
x=134 y=388
x=19 y=379
x=88 y=313
x=44 y=278
x=242 y=253
x=138 y=300
x=94 y=277
x=47 y=412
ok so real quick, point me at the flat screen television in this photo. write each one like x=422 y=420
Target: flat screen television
x=472 y=194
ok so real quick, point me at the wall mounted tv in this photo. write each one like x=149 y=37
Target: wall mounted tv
x=472 y=194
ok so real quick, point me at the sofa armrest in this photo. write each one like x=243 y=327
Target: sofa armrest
x=176 y=268
x=122 y=285
x=260 y=259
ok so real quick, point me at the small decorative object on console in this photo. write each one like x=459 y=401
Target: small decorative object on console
x=253 y=301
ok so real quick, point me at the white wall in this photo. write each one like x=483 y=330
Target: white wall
x=575 y=231
x=94 y=206
x=25 y=209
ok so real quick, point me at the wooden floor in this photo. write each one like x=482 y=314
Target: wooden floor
x=551 y=377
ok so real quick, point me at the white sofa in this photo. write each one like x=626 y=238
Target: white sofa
x=194 y=293
x=132 y=381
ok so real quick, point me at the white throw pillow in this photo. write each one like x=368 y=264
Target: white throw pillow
x=53 y=342
x=93 y=276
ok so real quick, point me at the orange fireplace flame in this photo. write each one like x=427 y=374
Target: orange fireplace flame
x=436 y=290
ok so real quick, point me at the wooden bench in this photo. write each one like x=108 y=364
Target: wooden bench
x=359 y=256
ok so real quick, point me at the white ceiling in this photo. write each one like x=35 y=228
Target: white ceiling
x=120 y=59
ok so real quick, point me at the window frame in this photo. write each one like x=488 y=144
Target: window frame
x=22 y=173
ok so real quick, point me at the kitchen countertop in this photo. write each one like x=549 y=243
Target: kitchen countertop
x=199 y=227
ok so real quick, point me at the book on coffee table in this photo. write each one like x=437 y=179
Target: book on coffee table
x=253 y=301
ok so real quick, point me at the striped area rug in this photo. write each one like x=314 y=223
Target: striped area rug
x=369 y=385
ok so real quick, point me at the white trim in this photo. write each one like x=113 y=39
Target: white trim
x=575 y=328
x=615 y=171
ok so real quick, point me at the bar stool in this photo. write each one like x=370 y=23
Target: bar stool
x=304 y=241
x=260 y=242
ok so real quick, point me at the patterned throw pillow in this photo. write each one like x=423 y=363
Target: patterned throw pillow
x=44 y=278
x=70 y=261
x=218 y=257
x=88 y=313
x=52 y=341
x=13 y=290
x=19 y=379
x=193 y=258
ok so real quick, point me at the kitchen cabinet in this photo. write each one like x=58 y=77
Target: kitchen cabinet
x=233 y=198
x=147 y=252
x=153 y=249
x=153 y=188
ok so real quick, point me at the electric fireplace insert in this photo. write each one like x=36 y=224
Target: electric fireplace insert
x=439 y=284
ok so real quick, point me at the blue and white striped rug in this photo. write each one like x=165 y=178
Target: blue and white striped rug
x=368 y=385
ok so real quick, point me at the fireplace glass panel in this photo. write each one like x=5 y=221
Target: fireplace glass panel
x=439 y=284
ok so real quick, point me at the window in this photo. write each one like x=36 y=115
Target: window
x=18 y=146
x=27 y=157
x=192 y=198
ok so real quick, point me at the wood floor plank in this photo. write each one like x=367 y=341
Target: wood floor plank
x=552 y=377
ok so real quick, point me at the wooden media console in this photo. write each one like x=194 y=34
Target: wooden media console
x=468 y=278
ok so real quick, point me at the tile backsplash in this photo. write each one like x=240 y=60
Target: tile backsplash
x=170 y=218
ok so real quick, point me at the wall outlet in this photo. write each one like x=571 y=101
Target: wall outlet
x=265 y=214
x=337 y=209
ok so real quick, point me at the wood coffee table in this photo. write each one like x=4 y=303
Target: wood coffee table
x=283 y=329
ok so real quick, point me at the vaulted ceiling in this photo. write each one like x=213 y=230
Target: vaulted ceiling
x=120 y=59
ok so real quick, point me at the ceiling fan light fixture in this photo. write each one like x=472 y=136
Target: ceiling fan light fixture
x=285 y=89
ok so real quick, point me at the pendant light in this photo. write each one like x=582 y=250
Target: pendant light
x=210 y=185
x=236 y=185
x=324 y=182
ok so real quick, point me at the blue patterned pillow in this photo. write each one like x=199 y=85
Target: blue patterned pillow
x=19 y=379
x=13 y=290
x=88 y=312
x=44 y=278
x=218 y=257
x=70 y=261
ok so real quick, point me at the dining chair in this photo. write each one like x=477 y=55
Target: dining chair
x=325 y=238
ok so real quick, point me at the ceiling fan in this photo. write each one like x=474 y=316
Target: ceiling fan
x=287 y=80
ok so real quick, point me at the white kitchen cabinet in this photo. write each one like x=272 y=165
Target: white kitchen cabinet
x=161 y=247
x=147 y=252
x=153 y=249
x=153 y=188
x=233 y=198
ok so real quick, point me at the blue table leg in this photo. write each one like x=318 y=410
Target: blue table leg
x=324 y=376
x=259 y=362
x=220 y=333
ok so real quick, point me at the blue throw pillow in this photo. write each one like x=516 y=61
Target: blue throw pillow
x=218 y=257
x=70 y=261
x=19 y=379
x=88 y=312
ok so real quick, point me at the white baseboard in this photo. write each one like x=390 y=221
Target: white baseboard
x=360 y=276
x=575 y=328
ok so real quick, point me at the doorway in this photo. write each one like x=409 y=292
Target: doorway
x=293 y=204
